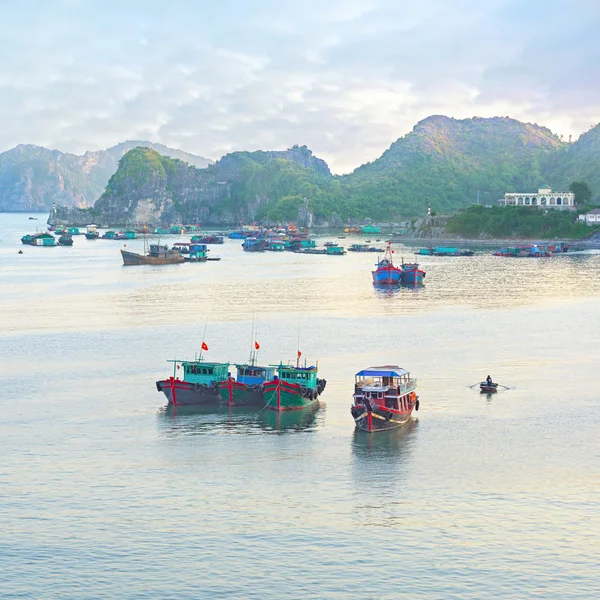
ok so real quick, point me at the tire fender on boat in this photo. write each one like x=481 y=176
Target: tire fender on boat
x=198 y=387
x=417 y=404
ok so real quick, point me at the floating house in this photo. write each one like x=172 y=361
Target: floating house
x=39 y=239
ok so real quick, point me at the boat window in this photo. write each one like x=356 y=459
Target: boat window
x=203 y=371
x=210 y=371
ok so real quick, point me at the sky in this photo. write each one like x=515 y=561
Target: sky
x=344 y=77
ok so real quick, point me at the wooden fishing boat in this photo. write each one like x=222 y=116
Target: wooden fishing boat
x=295 y=387
x=247 y=389
x=386 y=273
x=196 y=253
x=384 y=398
x=488 y=388
x=200 y=383
x=411 y=274
x=157 y=255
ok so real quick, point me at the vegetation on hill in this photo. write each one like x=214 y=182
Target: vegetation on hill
x=516 y=221
x=444 y=163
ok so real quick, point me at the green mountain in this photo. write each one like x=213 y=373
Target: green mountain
x=451 y=163
x=445 y=162
x=34 y=178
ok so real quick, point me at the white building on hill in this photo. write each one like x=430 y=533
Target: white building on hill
x=592 y=217
x=545 y=198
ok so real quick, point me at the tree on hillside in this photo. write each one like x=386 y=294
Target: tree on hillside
x=582 y=191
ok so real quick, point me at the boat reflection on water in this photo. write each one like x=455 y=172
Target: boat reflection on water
x=204 y=420
x=395 y=444
x=389 y=291
x=290 y=420
x=201 y=420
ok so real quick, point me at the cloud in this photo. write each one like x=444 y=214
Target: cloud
x=346 y=78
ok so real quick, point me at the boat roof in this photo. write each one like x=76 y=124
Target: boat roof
x=383 y=371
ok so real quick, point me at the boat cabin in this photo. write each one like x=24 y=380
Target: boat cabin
x=254 y=375
x=336 y=250
x=359 y=248
x=41 y=239
x=198 y=252
x=306 y=376
x=162 y=251
x=92 y=228
x=200 y=371
x=383 y=385
x=73 y=231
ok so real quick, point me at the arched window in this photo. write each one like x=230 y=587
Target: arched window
x=534 y=201
x=520 y=200
x=558 y=201
x=527 y=200
x=552 y=201
x=543 y=200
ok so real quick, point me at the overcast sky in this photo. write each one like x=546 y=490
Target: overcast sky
x=344 y=77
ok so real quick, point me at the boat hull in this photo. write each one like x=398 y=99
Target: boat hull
x=378 y=418
x=280 y=395
x=131 y=258
x=235 y=393
x=412 y=276
x=187 y=394
x=488 y=389
x=387 y=276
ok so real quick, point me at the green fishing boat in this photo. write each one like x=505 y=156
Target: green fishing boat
x=295 y=387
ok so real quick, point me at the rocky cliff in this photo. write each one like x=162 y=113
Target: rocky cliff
x=33 y=178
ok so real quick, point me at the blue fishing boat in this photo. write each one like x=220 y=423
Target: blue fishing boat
x=254 y=245
x=197 y=253
x=386 y=273
x=411 y=274
x=247 y=389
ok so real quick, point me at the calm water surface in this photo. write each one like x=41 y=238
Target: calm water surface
x=108 y=494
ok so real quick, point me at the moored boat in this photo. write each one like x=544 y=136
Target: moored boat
x=92 y=232
x=39 y=239
x=247 y=389
x=65 y=240
x=197 y=253
x=200 y=383
x=254 y=245
x=157 y=255
x=386 y=273
x=411 y=274
x=295 y=387
x=384 y=398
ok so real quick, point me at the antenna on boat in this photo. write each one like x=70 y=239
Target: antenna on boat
x=203 y=345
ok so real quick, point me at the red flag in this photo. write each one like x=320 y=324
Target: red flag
x=204 y=346
x=256 y=345
x=299 y=354
x=178 y=367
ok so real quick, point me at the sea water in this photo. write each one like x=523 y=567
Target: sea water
x=107 y=493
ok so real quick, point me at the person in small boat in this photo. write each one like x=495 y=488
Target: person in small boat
x=489 y=380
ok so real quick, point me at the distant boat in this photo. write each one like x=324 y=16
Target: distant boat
x=254 y=245
x=384 y=398
x=33 y=218
x=386 y=273
x=39 y=239
x=92 y=232
x=439 y=251
x=65 y=240
x=157 y=255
